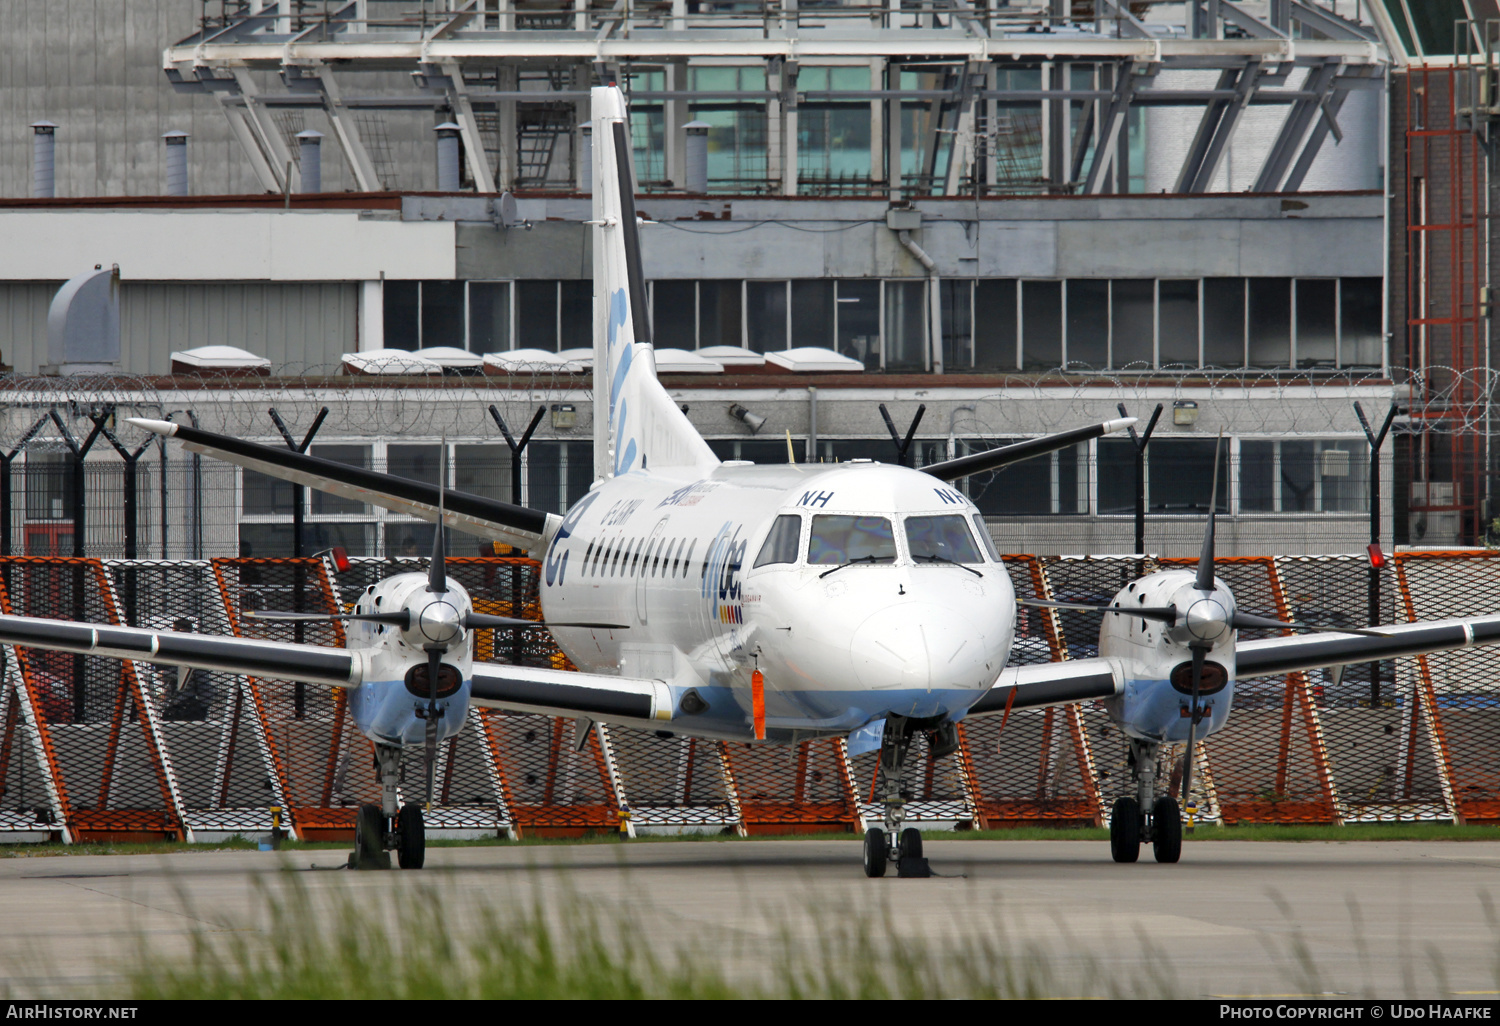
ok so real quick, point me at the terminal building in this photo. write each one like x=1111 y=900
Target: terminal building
x=1012 y=217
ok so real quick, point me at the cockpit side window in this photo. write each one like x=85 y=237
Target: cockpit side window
x=984 y=536
x=941 y=539
x=844 y=539
x=783 y=542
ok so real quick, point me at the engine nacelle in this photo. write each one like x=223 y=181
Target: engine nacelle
x=1156 y=701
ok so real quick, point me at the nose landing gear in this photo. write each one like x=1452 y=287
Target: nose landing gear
x=379 y=828
x=1129 y=828
x=893 y=843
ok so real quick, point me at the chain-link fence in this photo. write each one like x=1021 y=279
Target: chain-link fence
x=95 y=748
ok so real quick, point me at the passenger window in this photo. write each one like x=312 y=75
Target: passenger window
x=941 y=539
x=843 y=539
x=984 y=536
x=783 y=541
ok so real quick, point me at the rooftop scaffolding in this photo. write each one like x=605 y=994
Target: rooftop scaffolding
x=943 y=85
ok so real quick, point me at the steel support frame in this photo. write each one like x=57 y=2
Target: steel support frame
x=1294 y=129
x=1216 y=127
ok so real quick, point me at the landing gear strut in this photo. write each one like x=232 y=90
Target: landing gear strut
x=1129 y=827
x=388 y=825
x=893 y=843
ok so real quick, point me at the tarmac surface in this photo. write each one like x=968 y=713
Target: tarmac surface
x=1366 y=919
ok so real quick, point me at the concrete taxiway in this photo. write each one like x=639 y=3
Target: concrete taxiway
x=1387 y=919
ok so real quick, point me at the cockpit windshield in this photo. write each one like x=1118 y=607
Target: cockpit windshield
x=941 y=539
x=844 y=539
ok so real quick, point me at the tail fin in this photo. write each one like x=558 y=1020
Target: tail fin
x=644 y=429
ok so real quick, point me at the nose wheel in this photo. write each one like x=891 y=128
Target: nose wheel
x=895 y=842
x=1129 y=829
x=380 y=828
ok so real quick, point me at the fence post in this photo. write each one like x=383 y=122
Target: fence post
x=1141 y=442
x=517 y=594
x=6 y=459
x=1376 y=441
x=299 y=582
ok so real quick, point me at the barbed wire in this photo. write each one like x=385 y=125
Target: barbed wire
x=1443 y=400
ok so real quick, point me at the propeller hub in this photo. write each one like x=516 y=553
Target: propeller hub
x=440 y=623
x=1207 y=620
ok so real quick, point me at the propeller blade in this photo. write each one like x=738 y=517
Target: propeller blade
x=1187 y=765
x=434 y=663
x=1166 y=614
x=482 y=620
x=1205 y=580
x=1249 y=621
x=437 y=573
x=399 y=619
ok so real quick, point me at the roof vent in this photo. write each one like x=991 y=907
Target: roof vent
x=83 y=325
x=226 y=360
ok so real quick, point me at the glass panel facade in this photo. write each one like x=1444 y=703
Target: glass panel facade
x=1041 y=313
x=1180 y=475
x=1224 y=322
x=1270 y=322
x=1359 y=322
x=1088 y=323
x=1133 y=312
x=995 y=324
x=402 y=301
x=906 y=325
x=536 y=315
x=719 y=313
x=765 y=315
x=442 y=314
x=859 y=321
x=489 y=316
x=674 y=314
x=813 y=313
x=1317 y=327
x=1177 y=317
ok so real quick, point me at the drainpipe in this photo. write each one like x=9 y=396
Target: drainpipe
x=934 y=299
x=811 y=455
x=953 y=432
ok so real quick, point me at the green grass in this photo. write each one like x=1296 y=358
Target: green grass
x=1242 y=832
x=425 y=942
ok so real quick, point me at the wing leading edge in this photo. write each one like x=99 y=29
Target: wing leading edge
x=514 y=688
x=473 y=514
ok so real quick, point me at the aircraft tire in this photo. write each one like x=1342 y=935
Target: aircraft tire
x=1125 y=830
x=1166 y=832
x=369 y=838
x=910 y=845
x=411 y=837
x=875 y=852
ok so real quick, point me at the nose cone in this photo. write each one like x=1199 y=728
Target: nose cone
x=439 y=623
x=1207 y=619
x=922 y=646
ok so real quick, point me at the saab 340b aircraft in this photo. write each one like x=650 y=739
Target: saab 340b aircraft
x=748 y=603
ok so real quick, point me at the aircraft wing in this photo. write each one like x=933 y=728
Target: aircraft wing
x=567 y=693
x=315 y=664
x=1005 y=455
x=1027 y=687
x=1271 y=656
x=524 y=528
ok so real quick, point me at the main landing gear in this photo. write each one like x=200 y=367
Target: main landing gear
x=894 y=843
x=1129 y=828
x=379 y=828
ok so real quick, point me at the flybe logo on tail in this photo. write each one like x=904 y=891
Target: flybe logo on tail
x=625 y=448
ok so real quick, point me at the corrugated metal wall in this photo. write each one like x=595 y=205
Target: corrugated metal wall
x=299 y=326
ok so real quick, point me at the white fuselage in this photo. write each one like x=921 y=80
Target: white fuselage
x=837 y=647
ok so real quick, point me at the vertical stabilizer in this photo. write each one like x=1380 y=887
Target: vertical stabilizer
x=644 y=429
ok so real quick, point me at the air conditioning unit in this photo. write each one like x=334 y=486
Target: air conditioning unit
x=1335 y=462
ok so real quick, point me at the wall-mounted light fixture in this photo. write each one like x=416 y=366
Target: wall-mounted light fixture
x=751 y=420
x=564 y=416
x=1185 y=412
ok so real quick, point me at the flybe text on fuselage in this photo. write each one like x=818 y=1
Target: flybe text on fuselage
x=840 y=635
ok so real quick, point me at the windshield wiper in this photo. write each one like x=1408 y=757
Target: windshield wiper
x=858 y=559
x=950 y=562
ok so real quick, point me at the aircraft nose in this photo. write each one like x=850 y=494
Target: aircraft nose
x=921 y=646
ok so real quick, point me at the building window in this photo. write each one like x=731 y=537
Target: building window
x=766 y=315
x=1056 y=483
x=1269 y=322
x=995 y=319
x=1304 y=476
x=1177 y=323
x=1041 y=325
x=1224 y=322
x=1132 y=311
x=1088 y=323
x=857 y=309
